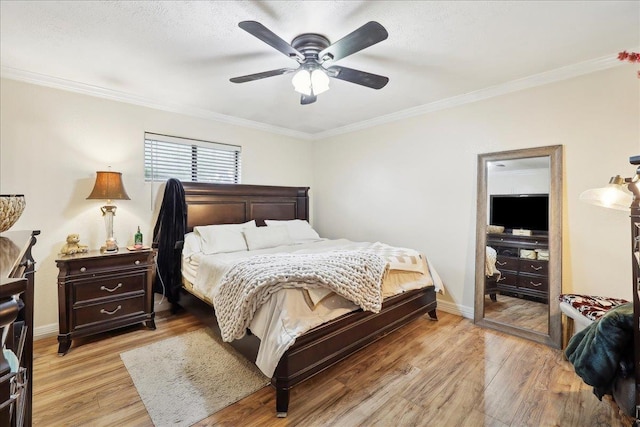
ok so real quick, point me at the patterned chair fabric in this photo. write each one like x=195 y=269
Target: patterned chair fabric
x=591 y=307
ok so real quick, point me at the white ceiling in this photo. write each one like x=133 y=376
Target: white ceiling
x=180 y=55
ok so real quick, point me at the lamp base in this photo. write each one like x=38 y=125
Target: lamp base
x=111 y=245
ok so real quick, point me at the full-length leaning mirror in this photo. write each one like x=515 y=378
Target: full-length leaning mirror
x=519 y=243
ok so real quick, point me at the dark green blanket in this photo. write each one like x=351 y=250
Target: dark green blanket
x=604 y=350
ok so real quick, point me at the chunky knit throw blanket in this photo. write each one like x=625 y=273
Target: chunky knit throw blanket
x=354 y=275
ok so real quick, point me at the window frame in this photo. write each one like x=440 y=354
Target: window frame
x=205 y=160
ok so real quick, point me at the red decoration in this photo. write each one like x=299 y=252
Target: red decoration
x=630 y=57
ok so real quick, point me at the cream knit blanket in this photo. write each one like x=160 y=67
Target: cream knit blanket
x=354 y=275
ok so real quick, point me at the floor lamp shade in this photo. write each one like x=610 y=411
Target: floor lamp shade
x=108 y=186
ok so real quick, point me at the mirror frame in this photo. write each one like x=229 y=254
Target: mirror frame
x=554 y=336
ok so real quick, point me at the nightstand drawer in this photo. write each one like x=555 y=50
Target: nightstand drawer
x=109 y=286
x=107 y=263
x=107 y=312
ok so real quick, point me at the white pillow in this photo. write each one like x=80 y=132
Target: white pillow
x=191 y=245
x=220 y=238
x=266 y=237
x=299 y=229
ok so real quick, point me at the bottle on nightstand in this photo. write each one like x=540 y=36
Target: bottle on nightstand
x=137 y=239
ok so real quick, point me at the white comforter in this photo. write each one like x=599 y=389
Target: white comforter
x=290 y=313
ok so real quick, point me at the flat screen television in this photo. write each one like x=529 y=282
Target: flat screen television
x=520 y=211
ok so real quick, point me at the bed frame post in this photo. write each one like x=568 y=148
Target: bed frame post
x=282 y=401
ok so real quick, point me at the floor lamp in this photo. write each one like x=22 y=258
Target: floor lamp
x=624 y=194
x=108 y=186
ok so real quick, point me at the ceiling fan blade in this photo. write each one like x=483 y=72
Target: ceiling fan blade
x=365 y=36
x=264 y=74
x=307 y=99
x=363 y=78
x=269 y=37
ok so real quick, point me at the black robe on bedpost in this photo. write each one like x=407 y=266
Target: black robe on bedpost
x=168 y=238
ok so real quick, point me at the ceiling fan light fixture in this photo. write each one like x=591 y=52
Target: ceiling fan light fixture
x=311 y=50
x=319 y=81
x=302 y=82
x=312 y=82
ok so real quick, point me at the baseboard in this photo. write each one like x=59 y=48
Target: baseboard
x=459 y=310
x=45 y=331
x=160 y=303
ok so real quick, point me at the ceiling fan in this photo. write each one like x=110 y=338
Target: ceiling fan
x=312 y=51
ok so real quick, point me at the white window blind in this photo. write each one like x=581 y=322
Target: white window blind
x=190 y=160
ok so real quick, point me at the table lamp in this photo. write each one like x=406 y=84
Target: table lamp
x=109 y=187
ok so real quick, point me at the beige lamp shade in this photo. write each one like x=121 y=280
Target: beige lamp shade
x=108 y=186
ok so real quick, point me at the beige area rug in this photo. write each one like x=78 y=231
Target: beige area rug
x=184 y=379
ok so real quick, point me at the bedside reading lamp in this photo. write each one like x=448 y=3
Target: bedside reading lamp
x=616 y=196
x=109 y=187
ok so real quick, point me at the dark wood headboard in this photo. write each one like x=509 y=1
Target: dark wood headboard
x=236 y=203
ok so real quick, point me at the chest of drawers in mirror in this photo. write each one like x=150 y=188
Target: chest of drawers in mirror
x=522 y=274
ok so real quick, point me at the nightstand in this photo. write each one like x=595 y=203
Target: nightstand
x=98 y=292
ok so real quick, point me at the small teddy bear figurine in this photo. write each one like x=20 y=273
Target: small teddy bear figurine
x=73 y=246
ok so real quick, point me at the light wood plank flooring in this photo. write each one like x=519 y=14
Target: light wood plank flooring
x=444 y=373
x=518 y=312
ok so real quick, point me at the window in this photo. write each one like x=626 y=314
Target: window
x=190 y=160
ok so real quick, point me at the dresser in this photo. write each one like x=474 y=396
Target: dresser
x=16 y=306
x=519 y=276
x=99 y=292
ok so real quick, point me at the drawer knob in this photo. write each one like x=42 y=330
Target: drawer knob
x=535 y=284
x=137 y=262
x=536 y=268
x=501 y=263
x=104 y=288
x=501 y=279
x=110 y=313
x=83 y=269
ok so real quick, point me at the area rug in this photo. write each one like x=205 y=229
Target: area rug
x=184 y=379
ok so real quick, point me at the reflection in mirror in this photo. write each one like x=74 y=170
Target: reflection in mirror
x=518 y=243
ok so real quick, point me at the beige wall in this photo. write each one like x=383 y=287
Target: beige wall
x=413 y=182
x=52 y=142
x=408 y=183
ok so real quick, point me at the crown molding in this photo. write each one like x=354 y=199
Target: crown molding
x=547 y=77
x=113 y=95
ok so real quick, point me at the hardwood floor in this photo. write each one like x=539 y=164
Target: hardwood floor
x=444 y=373
x=518 y=312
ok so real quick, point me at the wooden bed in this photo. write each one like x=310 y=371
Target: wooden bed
x=329 y=343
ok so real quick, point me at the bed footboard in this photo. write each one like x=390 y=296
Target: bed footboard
x=324 y=346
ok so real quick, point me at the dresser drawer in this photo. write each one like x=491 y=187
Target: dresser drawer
x=533 y=282
x=508 y=278
x=108 y=311
x=506 y=263
x=108 y=286
x=507 y=251
x=531 y=266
